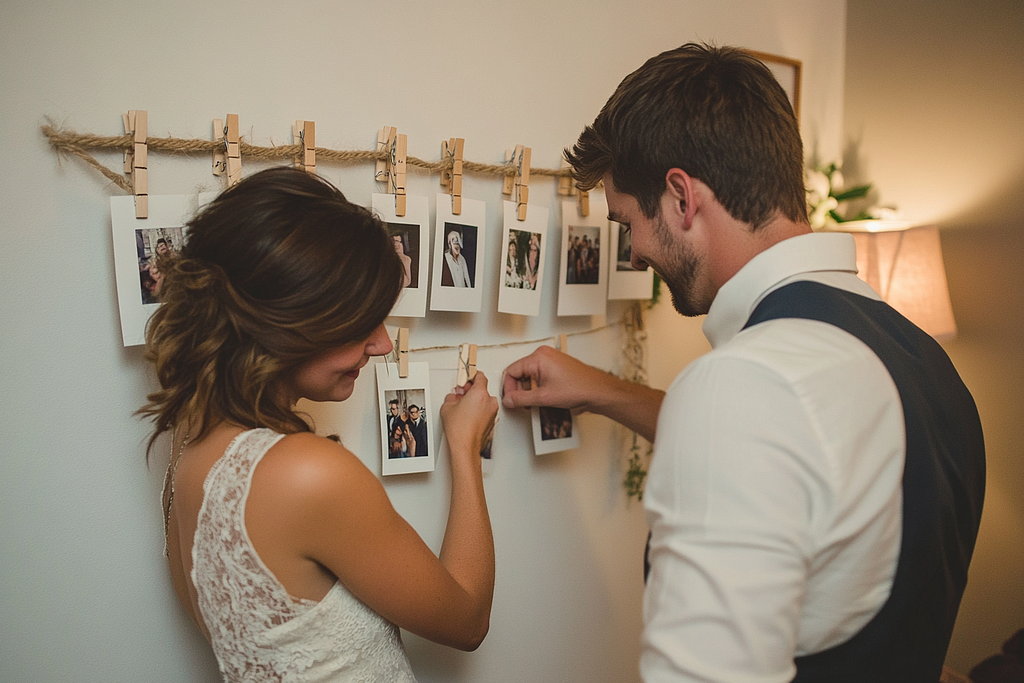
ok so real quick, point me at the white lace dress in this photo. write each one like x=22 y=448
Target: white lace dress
x=258 y=631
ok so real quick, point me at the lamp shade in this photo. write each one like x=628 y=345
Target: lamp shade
x=905 y=268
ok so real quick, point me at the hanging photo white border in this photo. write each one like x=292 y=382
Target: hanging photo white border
x=473 y=217
x=584 y=298
x=166 y=212
x=626 y=283
x=418 y=379
x=412 y=301
x=521 y=300
x=545 y=442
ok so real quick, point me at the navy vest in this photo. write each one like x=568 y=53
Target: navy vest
x=943 y=488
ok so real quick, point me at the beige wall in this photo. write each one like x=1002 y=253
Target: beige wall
x=934 y=115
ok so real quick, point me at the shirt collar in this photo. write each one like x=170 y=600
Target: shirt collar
x=767 y=271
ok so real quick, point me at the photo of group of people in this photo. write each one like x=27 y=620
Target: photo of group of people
x=406 y=424
x=522 y=259
x=406 y=437
x=583 y=259
x=406 y=239
x=151 y=245
x=555 y=423
x=458 y=269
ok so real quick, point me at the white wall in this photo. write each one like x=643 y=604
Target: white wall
x=83 y=590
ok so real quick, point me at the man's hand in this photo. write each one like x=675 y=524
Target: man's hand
x=561 y=381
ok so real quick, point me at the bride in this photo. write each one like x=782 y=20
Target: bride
x=282 y=546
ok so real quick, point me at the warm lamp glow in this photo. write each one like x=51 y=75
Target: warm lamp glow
x=905 y=268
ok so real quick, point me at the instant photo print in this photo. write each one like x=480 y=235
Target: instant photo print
x=410 y=236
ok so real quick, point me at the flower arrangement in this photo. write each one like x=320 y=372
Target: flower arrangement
x=826 y=190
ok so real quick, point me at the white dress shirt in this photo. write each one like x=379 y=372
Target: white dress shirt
x=774 y=495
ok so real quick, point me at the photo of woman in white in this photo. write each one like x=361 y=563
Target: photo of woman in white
x=455 y=271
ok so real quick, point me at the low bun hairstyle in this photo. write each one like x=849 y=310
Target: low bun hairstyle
x=274 y=270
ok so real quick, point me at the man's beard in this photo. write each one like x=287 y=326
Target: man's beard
x=678 y=268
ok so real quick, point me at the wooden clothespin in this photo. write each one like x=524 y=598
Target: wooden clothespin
x=129 y=129
x=583 y=200
x=522 y=180
x=451 y=179
x=565 y=184
x=233 y=147
x=397 y=175
x=402 y=351
x=220 y=165
x=563 y=343
x=304 y=135
x=385 y=141
x=391 y=169
x=137 y=161
x=467 y=364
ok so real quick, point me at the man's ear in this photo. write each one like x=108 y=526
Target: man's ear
x=679 y=188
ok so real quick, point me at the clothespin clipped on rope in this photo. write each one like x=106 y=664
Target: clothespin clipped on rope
x=402 y=352
x=565 y=185
x=563 y=343
x=583 y=201
x=567 y=188
x=136 y=162
x=451 y=180
x=391 y=170
x=233 y=148
x=518 y=184
x=522 y=183
x=385 y=140
x=467 y=364
x=220 y=164
x=304 y=135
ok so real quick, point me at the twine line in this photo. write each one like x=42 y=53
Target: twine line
x=76 y=144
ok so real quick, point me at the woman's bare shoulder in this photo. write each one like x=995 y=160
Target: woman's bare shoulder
x=307 y=466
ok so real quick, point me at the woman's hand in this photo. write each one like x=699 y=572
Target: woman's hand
x=468 y=415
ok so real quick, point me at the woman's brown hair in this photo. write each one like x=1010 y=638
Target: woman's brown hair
x=274 y=270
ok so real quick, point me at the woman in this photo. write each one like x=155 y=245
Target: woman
x=455 y=270
x=399 y=243
x=512 y=277
x=282 y=545
x=532 y=261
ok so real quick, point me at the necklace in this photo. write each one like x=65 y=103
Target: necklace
x=168 y=490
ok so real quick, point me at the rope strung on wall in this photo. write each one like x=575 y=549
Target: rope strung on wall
x=77 y=144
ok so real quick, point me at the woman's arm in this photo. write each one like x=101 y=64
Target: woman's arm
x=324 y=508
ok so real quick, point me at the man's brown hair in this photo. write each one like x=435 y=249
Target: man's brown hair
x=715 y=112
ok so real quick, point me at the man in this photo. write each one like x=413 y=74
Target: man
x=455 y=271
x=817 y=478
x=393 y=416
x=418 y=427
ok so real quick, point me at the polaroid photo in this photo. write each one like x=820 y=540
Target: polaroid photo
x=138 y=242
x=554 y=430
x=456 y=284
x=624 y=281
x=583 y=277
x=410 y=234
x=487 y=455
x=408 y=430
x=522 y=275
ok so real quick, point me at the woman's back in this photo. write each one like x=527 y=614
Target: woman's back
x=258 y=630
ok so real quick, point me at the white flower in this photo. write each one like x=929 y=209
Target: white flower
x=817 y=186
x=837 y=180
x=819 y=215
